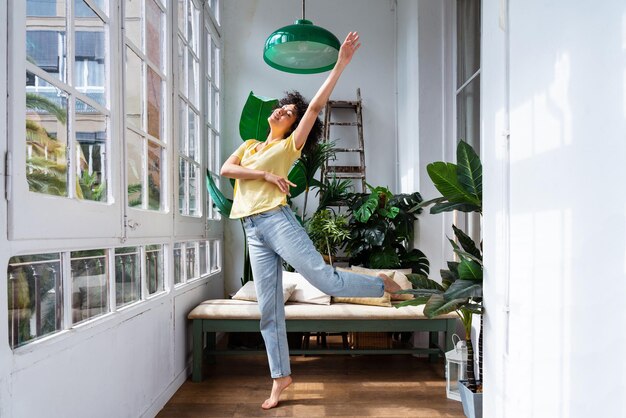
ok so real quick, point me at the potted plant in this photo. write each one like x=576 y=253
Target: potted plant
x=382 y=230
x=328 y=232
x=460 y=186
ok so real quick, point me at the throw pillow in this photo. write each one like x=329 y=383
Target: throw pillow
x=384 y=300
x=248 y=292
x=304 y=292
x=397 y=276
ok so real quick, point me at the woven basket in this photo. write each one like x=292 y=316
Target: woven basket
x=370 y=340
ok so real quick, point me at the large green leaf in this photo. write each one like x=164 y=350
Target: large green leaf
x=297 y=176
x=222 y=204
x=367 y=209
x=445 y=178
x=470 y=270
x=463 y=289
x=385 y=259
x=467 y=243
x=449 y=207
x=469 y=170
x=253 y=123
x=436 y=305
x=416 y=301
x=420 y=281
x=415 y=260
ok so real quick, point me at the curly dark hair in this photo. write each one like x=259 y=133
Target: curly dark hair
x=294 y=97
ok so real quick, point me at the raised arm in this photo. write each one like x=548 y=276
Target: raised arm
x=347 y=50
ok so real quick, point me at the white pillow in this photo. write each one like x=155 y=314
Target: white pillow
x=248 y=292
x=304 y=292
x=396 y=275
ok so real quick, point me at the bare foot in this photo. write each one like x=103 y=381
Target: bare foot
x=278 y=386
x=390 y=285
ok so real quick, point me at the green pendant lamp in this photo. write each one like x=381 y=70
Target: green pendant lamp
x=301 y=48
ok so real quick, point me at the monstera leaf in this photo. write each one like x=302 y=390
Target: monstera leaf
x=222 y=204
x=253 y=123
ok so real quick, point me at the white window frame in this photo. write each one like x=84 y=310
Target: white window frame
x=187 y=224
x=143 y=222
x=469 y=222
x=34 y=215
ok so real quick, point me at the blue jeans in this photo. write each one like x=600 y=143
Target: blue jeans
x=277 y=234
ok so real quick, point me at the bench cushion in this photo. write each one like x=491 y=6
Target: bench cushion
x=239 y=309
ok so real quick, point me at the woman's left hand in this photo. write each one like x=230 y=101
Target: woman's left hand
x=348 y=48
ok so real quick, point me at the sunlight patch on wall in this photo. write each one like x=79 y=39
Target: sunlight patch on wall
x=544 y=122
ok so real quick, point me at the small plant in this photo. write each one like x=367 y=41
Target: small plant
x=328 y=231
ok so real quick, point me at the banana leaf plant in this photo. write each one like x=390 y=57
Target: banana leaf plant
x=461 y=291
x=460 y=186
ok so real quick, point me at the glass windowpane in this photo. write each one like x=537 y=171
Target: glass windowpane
x=178 y=263
x=192 y=79
x=215 y=254
x=134 y=168
x=91 y=139
x=182 y=127
x=468 y=113
x=182 y=73
x=134 y=89
x=46 y=137
x=154 y=175
x=193 y=189
x=154 y=268
x=203 y=258
x=154 y=33
x=190 y=260
x=127 y=275
x=182 y=181
x=35 y=304
x=155 y=104
x=47 y=48
x=192 y=139
x=468 y=39
x=89 y=284
x=133 y=22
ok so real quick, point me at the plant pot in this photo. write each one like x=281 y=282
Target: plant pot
x=472 y=402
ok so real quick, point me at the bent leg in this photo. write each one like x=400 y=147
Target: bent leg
x=292 y=243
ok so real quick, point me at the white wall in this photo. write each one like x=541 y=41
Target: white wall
x=560 y=352
x=425 y=113
x=246 y=26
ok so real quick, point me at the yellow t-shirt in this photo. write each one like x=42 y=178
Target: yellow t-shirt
x=257 y=195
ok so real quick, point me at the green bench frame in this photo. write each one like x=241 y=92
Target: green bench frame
x=210 y=327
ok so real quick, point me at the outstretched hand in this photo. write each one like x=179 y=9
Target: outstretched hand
x=348 y=48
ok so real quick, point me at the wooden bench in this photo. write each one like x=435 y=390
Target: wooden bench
x=227 y=315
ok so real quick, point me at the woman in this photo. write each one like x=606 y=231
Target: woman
x=273 y=232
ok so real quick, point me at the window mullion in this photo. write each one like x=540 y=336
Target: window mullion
x=66 y=280
x=112 y=282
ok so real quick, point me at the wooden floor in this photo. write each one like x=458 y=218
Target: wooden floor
x=323 y=386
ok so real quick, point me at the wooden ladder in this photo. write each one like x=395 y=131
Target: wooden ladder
x=353 y=172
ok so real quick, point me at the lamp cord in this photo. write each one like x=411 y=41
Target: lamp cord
x=303 y=10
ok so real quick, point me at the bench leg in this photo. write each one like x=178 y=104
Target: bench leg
x=433 y=342
x=197 y=352
x=450 y=329
x=211 y=345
